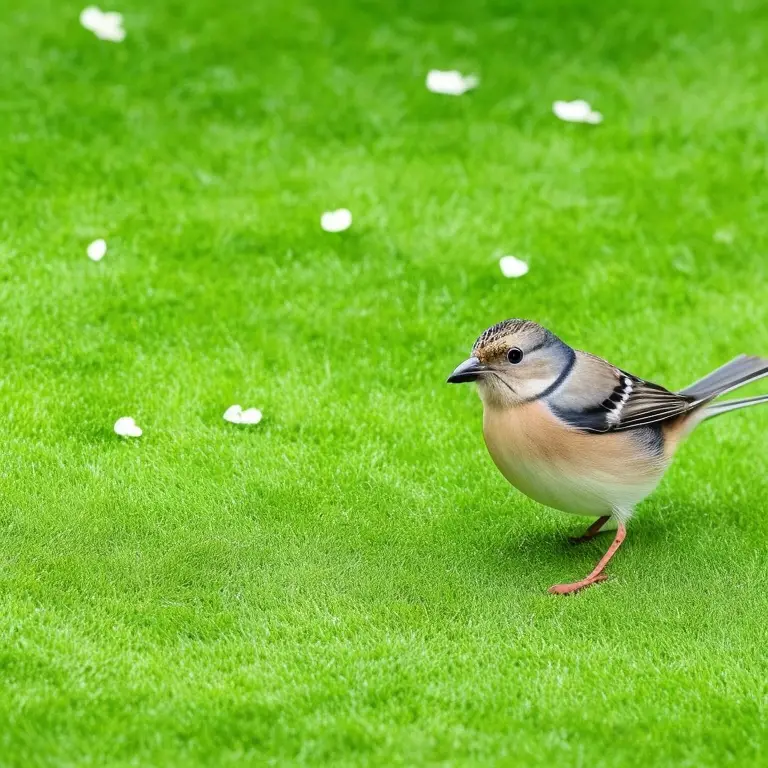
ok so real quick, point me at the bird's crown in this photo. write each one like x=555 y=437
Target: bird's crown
x=498 y=338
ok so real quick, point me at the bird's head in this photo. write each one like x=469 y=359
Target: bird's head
x=514 y=362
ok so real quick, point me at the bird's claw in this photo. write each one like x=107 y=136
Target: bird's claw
x=568 y=589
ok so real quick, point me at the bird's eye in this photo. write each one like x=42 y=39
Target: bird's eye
x=515 y=355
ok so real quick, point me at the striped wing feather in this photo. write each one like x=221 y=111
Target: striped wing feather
x=598 y=397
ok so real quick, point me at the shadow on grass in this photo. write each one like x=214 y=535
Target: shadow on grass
x=543 y=552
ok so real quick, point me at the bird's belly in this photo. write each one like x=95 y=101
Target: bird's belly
x=553 y=488
x=584 y=474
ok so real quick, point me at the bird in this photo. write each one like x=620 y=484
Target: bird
x=578 y=434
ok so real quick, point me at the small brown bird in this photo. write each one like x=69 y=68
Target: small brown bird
x=576 y=433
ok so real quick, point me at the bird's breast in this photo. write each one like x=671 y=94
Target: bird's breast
x=582 y=473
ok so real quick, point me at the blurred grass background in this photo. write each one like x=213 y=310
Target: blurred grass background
x=352 y=582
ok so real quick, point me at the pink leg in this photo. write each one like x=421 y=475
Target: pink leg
x=597 y=574
x=592 y=531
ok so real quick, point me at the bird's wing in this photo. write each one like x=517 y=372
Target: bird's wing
x=598 y=397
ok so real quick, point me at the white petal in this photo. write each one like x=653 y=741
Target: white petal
x=451 y=82
x=90 y=17
x=97 y=249
x=233 y=414
x=111 y=34
x=336 y=221
x=511 y=266
x=106 y=26
x=251 y=416
x=578 y=111
x=127 y=427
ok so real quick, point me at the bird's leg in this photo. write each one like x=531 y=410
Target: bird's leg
x=591 y=532
x=597 y=574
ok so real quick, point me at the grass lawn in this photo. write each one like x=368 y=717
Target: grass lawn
x=352 y=582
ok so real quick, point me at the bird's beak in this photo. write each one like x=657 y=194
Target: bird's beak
x=469 y=370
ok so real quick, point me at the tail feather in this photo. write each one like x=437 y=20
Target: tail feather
x=742 y=370
x=731 y=405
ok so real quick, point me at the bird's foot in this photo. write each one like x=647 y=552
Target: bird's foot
x=567 y=589
x=597 y=574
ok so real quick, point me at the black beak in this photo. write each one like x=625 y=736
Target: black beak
x=469 y=370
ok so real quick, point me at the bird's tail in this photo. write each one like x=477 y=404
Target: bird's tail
x=732 y=405
x=740 y=371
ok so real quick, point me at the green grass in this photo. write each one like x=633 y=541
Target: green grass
x=352 y=582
